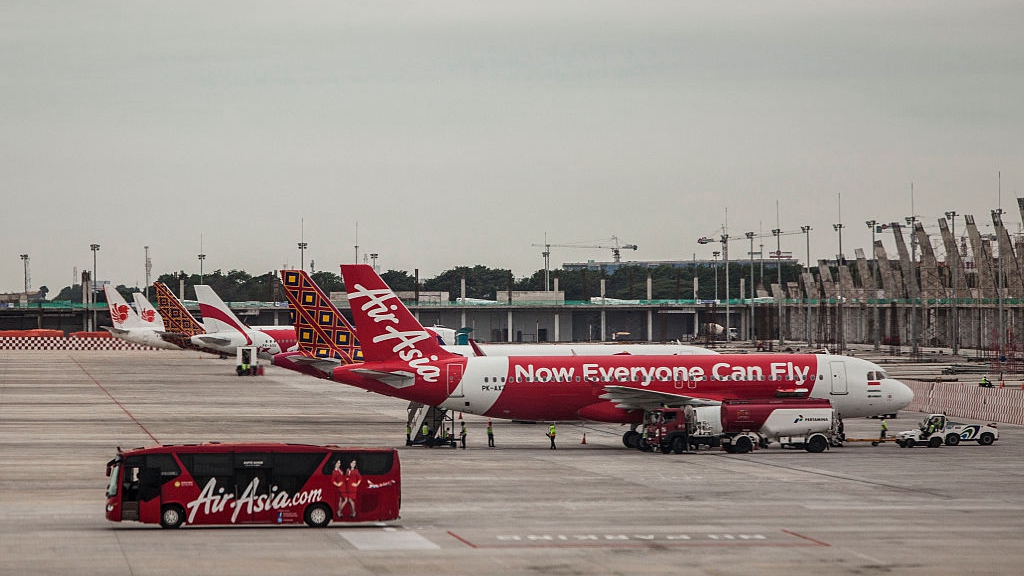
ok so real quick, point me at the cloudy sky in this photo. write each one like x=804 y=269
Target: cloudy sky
x=461 y=132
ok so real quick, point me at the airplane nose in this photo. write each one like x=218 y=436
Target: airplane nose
x=902 y=395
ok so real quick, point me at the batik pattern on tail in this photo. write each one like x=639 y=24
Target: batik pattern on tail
x=322 y=331
x=179 y=324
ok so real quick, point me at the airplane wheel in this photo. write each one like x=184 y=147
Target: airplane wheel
x=631 y=439
x=952 y=439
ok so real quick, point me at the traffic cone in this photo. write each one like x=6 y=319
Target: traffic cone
x=460 y=415
x=584 y=438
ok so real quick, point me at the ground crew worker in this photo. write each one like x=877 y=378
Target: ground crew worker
x=425 y=431
x=490 y=435
x=885 y=428
x=551 y=435
x=462 y=435
x=408 y=434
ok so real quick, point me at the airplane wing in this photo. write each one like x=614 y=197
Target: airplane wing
x=398 y=379
x=629 y=398
x=213 y=340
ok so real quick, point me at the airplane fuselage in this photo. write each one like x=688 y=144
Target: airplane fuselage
x=578 y=387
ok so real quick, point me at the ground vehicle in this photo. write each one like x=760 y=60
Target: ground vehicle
x=263 y=483
x=740 y=425
x=936 y=430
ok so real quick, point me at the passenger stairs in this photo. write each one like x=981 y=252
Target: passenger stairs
x=436 y=419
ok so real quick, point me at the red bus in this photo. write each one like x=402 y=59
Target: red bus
x=254 y=483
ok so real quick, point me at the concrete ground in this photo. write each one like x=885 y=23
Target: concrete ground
x=594 y=508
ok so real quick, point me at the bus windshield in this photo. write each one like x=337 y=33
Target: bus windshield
x=115 y=474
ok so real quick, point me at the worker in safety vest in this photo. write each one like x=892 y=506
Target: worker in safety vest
x=462 y=435
x=885 y=428
x=490 y=435
x=408 y=434
x=551 y=435
x=425 y=431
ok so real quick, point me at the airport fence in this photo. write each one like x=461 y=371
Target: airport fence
x=1003 y=403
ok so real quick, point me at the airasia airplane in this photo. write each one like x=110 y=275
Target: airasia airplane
x=128 y=326
x=401 y=359
x=326 y=339
x=225 y=333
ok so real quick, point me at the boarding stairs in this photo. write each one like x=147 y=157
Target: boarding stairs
x=435 y=418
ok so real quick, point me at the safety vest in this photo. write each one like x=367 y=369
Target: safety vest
x=425 y=430
x=551 y=430
x=884 y=425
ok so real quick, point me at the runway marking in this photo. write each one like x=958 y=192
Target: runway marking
x=114 y=400
x=628 y=539
x=388 y=540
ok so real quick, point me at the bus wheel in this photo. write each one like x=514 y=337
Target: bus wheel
x=172 y=516
x=318 y=515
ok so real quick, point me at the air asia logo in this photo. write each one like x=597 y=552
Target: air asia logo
x=405 y=345
x=119 y=312
x=213 y=500
x=148 y=315
x=800 y=418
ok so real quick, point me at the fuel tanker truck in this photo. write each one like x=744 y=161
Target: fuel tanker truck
x=739 y=425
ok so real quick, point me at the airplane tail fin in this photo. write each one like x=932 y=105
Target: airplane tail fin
x=320 y=328
x=177 y=318
x=121 y=314
x=388 y=331
x=217 y=317
x=148 y=314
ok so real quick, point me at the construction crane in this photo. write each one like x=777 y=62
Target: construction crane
x=612 y=243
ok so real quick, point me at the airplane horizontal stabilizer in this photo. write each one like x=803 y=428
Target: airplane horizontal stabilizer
x=629 y=398
x=114 y=331
x=394 y=379
x=213 y=340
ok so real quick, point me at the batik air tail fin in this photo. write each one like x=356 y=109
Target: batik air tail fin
x=147 y=313
x=388 y=331
x=325 y=338
x=121 y=314
x=179 y=324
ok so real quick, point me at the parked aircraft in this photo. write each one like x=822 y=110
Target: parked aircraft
x=326 y=339
x=128 y=326
x=179 y=324
x=146 y=310
x=226 y=333
x=402 y=359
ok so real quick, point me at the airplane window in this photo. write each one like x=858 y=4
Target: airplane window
x=502 y=378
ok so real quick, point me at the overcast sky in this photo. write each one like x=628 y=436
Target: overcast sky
x=458 y=133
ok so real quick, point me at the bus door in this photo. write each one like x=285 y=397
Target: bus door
x=252 y=487
x=141 y=485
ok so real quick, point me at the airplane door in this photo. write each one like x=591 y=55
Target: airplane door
x=838 y=370
x=455 y=379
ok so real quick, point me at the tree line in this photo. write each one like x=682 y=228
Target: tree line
x=626 y=282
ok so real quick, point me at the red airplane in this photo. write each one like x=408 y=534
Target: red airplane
x=403 y=360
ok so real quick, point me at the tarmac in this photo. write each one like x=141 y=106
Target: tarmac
x=520 y=508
